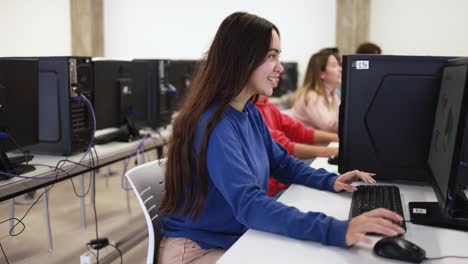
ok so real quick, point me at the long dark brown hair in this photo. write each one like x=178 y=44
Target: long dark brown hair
x=239 y=47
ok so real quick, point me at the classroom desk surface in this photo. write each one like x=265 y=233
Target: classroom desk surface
x=107 y=154
x=261 y=247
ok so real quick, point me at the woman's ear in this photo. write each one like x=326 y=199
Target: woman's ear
x=322 y=75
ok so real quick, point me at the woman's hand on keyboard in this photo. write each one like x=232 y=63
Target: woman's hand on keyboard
x=376 y=221
x=343 y=182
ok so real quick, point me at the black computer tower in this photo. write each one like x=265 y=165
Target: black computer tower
x=387 y=114
x=288 y=80
x=65 y=124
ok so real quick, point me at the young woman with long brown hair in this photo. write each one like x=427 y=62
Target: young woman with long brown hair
x=221 y=155
x=316 y=103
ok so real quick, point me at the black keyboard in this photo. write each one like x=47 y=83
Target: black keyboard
x=369 y=197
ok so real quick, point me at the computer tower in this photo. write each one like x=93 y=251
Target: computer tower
x=387 y=114
x=65 y=125
x=288 y=80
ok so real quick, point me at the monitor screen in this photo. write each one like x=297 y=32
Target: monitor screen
x=387 y=114
x=158 y=92
x=117 y=93
x=19 y=102
x=441 y=158
x=180 y=74
x=18 y=113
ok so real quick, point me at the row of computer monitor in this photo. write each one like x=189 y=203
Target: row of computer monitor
x=36 y=106
x=40 y=113
x=36 y=93
x=404 y=118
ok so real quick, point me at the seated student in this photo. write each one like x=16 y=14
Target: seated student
x=221 y=155
x=368 y=48
x=316 y=102
x=336 y=51
x=294 y=136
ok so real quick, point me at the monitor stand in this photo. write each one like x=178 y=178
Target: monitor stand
x=432 y=214
x=129 y=131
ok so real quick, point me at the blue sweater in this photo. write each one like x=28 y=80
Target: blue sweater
x=240 y=157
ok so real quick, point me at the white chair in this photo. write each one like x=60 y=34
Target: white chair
x=147 y=181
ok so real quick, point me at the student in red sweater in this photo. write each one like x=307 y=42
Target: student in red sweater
x=294 y=136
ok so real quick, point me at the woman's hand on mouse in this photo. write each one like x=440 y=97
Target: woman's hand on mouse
x=375 y=221
x=343 y=182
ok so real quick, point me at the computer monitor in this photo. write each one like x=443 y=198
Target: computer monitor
x=18 y=110
x=387 y=114
x=446 y=163
x=159 y=93
x=116 y=97
x=288 y=79
x=180 y=74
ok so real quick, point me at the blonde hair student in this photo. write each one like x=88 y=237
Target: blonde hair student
x=221 y=155
x=316 y=103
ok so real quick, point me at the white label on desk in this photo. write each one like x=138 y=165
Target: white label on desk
x=419 y=211
x=362 y=65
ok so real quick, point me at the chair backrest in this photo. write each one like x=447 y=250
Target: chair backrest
x=147 y=181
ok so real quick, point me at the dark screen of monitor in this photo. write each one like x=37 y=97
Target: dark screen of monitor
x=446 y=124
x=18 y=102
x=180 y=75
x=114 y=93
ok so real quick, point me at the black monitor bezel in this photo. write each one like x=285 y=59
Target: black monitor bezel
x=108 y=76
x=447 y=199
x=28 y=128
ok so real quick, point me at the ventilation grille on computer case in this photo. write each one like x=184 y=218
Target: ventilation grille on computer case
x=81 y=126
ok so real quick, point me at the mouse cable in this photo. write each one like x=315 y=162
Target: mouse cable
x=71 y=178
x=4 y=254
x=433 y=258
x=20 y=221
x=461 y=257
x=119 y=251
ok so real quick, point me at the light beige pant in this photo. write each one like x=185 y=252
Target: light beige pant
x=178 y=250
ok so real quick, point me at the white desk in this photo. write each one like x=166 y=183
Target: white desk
x=261 y=247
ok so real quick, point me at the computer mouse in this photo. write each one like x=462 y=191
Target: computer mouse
x=399 y=248
x=333 y=160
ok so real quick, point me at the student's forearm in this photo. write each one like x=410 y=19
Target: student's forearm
x=324 y=137
x=302 y=151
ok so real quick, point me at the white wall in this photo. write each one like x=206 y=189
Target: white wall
x=420 y=27
x=35 y=28
x=184 y=29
